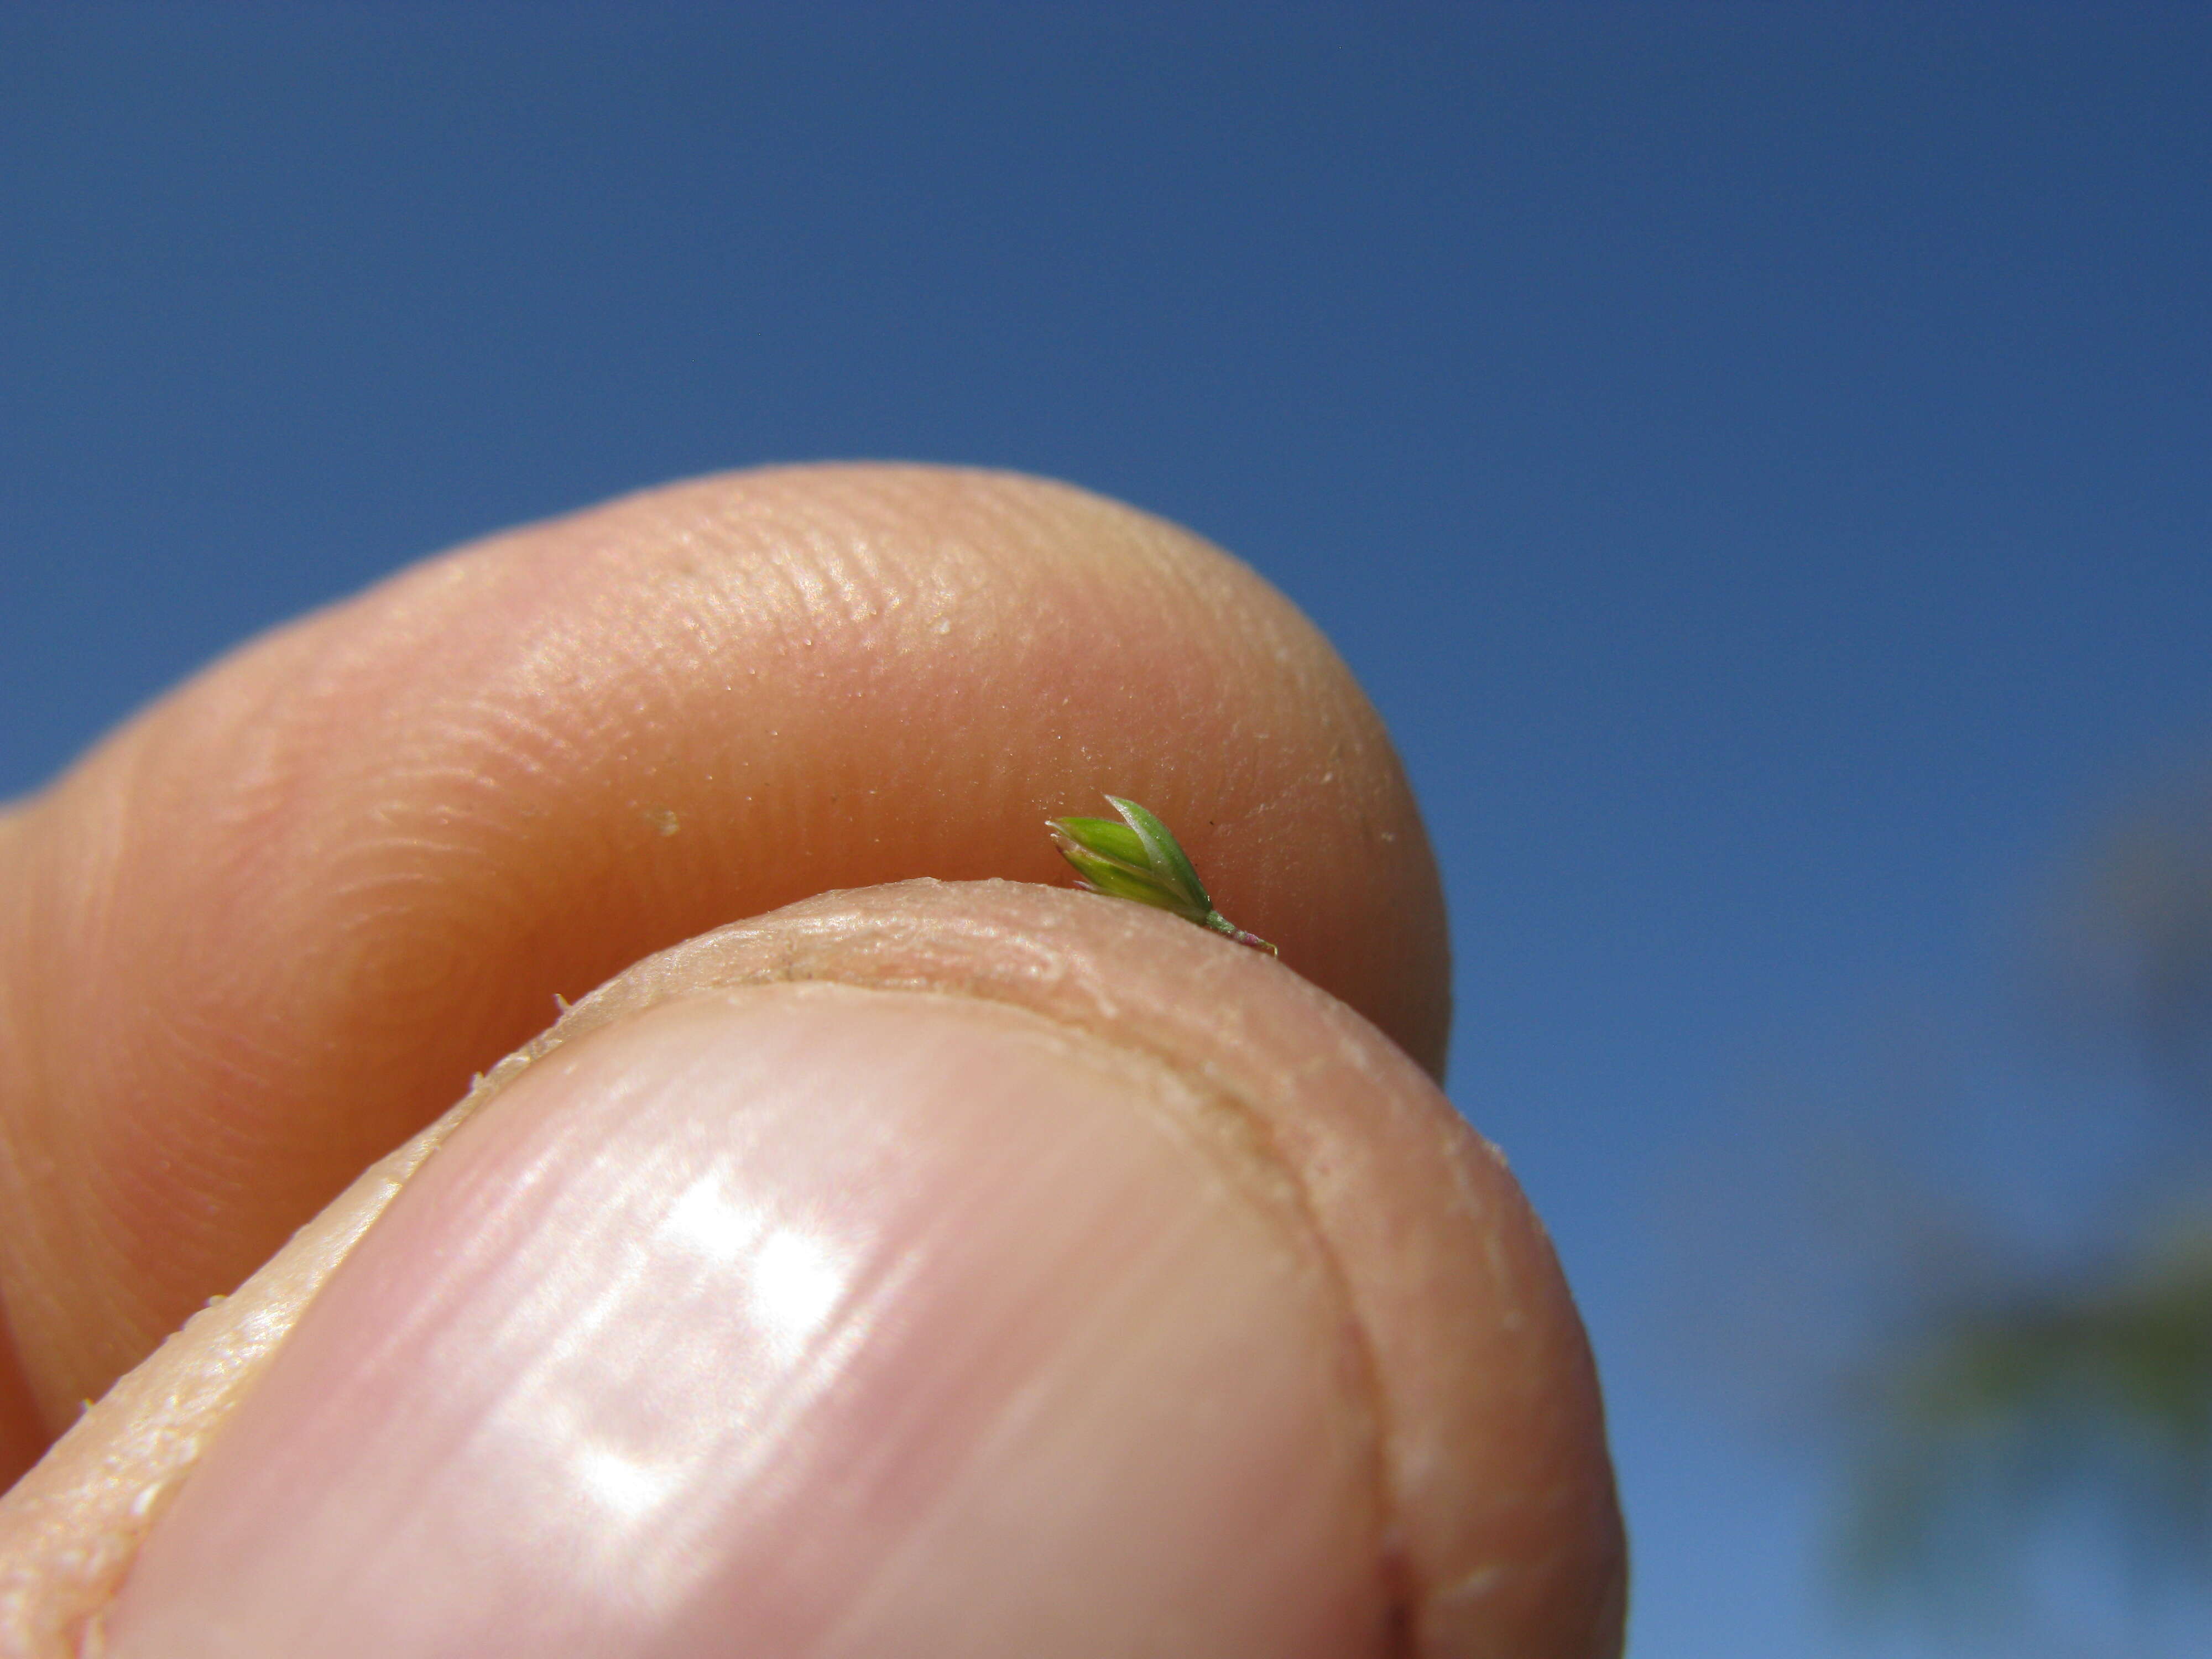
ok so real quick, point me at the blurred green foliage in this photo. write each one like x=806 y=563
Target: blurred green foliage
x=2097 y=1398
x=2077 y=1403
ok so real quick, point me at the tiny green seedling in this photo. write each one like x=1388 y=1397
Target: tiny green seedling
x=1138 y=858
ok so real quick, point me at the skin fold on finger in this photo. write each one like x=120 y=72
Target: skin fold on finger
x=1501 y=1534
x=270 y=927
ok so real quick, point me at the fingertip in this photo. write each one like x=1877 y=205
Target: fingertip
x=855 y=1321
x=269 y=930
x=1413 y=1306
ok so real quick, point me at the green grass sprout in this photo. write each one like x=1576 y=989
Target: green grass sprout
x=1138 y=858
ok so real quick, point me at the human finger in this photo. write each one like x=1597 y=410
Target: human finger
x=270 y=927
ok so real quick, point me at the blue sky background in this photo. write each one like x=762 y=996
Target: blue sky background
x=1760 y=459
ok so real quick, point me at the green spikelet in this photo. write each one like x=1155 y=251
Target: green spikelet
x=1138 y=859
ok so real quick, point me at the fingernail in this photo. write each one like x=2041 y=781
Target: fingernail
x=802 y=1320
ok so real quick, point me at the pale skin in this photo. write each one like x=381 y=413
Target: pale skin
x=268 y=932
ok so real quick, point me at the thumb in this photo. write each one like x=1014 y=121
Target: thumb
x=843 y=1284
